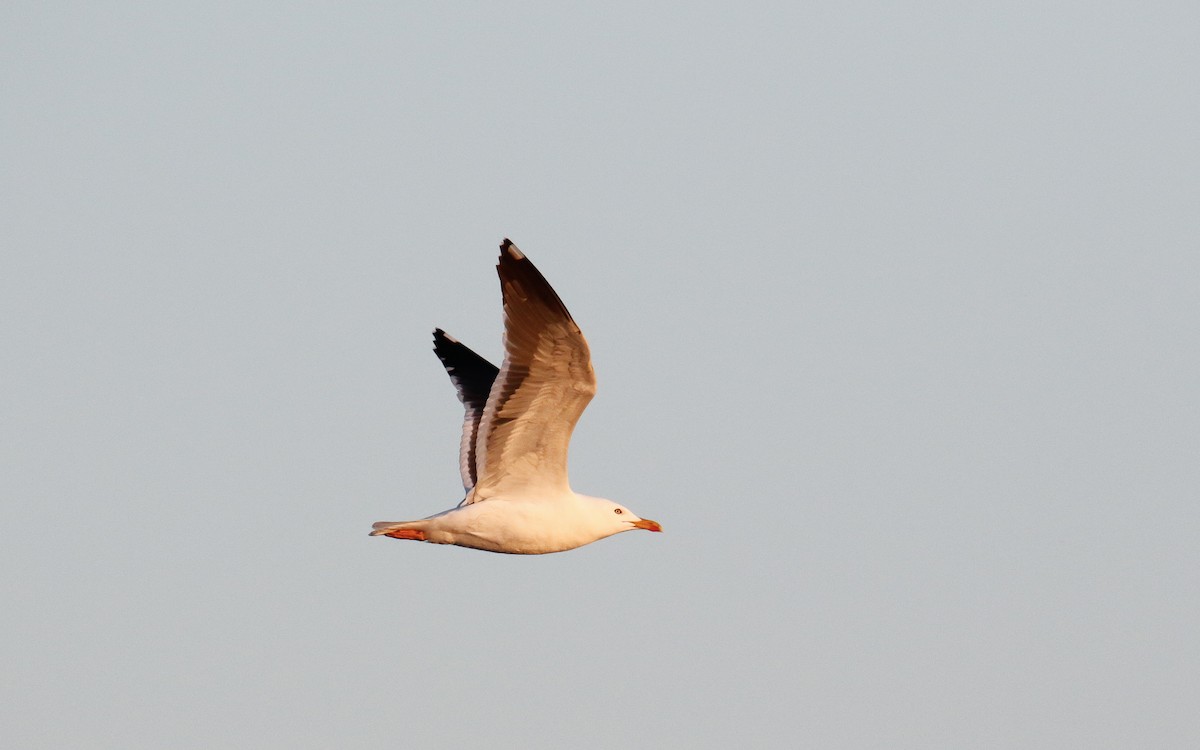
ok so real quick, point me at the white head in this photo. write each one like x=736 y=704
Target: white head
x=613 y=518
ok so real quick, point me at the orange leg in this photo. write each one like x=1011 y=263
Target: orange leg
x=414 y=534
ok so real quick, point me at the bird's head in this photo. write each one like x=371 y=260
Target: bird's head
x=619 y=518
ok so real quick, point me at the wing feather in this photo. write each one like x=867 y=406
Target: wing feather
x=473 y=377
x=543 y=386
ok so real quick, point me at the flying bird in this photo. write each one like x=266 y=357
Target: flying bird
x=517 y=426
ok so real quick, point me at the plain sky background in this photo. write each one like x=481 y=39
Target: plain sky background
x=894 y=308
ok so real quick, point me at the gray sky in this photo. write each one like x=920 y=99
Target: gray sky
x=893 y=306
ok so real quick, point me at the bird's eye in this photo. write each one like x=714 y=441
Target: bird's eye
x=618 y=511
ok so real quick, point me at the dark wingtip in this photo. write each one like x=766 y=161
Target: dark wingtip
x=442 y=341
x=518 y=272
x=507 y=248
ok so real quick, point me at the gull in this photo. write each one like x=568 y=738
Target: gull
x=516 y=429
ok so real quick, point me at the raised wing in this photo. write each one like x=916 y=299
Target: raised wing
x=472 y=376
x=545 y=383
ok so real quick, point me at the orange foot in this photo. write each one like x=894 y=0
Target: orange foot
x=414 y=534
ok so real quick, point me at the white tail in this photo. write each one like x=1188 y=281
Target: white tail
x=383 y=527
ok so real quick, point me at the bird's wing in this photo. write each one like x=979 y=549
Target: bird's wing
x=472 y=376
x=545 y=383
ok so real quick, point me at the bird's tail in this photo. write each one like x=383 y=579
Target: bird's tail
x=383 y=527
x=400 y=530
